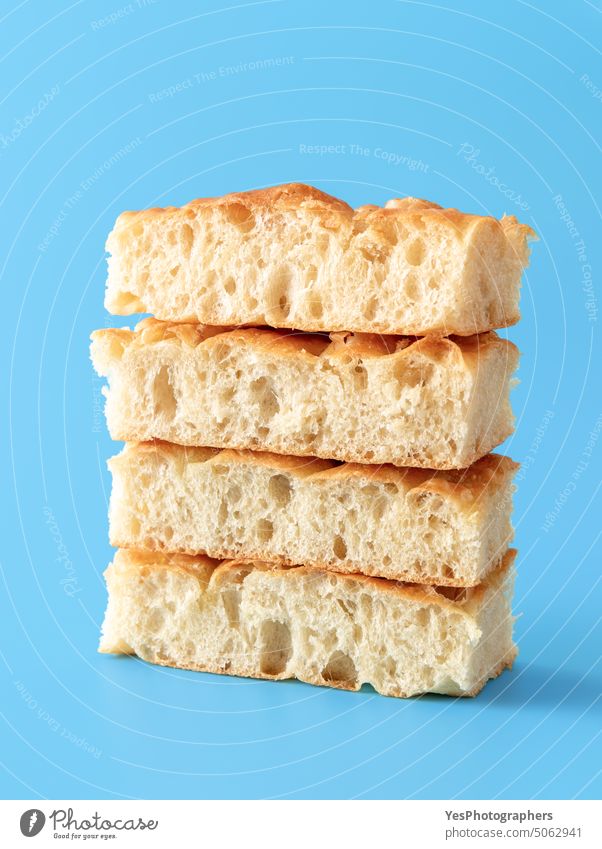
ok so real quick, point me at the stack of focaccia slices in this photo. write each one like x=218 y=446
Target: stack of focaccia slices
x=306 y=488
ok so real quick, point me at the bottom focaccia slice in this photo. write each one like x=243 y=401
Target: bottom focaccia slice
x=266 y=621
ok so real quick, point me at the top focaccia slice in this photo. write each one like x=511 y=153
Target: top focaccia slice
x=294 y=257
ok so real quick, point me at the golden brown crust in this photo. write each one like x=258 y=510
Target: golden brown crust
x=285 y=196
x=150 y=331
x=347 y=456
x=292 y=196
x=460 y=599
x=463 y=485
x=301 y=466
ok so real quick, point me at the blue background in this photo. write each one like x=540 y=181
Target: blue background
x=427 y=83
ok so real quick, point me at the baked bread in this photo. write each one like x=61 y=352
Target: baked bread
x=292 y=256
x=434 y=403
x=402 y=524
x=267 y=621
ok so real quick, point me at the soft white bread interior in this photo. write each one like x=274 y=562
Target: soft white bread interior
x=267 y=621
x=402 y=524
x=432 y=402
x=292 y=256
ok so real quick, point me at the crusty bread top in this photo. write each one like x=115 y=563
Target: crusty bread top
x=150 y=331
x=334 y=211
x=219 y=572
x=465 y=486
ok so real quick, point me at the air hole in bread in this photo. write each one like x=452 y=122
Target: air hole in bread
x=421 y=617
x=339 y=547
x=234 y=494
x=230 y=285
x=390 y=232
x=366 y=604
x=240 y=216
x=340 y=669
x=347 y=606
x=316 y=308
x=276 y=647
x=390 y=666
x=279 y=488
x=226 y=395
x=415 y=252
x=265 y=530
x=164 y=399
x=360 y=377
x=264 y=396
x=411 y=287
x=187 y=240
x=410 y=376
x=391 y=488
x=378 y=508
x=231 y=602
x=277 y=296
x=220 y=352
x=369 y=310
x=386 y=560
x=156 y=618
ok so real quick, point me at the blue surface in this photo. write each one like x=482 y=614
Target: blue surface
x=500 y=86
